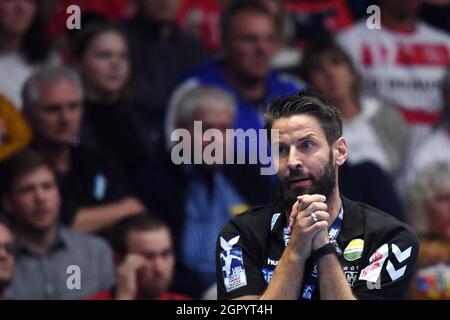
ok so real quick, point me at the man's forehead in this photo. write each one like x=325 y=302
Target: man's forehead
x=36 y=175
x=249 y=20
x=215 y=114
x=57 y=84
x=152 y=237
x=63 y=89
x=5 y=233
x=298 y=125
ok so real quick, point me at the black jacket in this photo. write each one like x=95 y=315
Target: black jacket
x=376 y=247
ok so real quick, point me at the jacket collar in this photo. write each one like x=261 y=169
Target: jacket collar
x=352 y=225
x=61 y=241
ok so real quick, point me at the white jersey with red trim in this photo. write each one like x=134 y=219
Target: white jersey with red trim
x=404 y=68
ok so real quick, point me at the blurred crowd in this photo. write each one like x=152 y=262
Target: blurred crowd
x=87 y=116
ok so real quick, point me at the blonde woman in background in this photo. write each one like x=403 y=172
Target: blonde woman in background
x=429 y=215
x=14 y=131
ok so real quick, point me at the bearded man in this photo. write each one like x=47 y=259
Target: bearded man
x=313 y=243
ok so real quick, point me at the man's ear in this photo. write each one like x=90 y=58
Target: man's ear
x=340 y=151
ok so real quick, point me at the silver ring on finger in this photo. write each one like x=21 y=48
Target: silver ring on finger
x=313 y=216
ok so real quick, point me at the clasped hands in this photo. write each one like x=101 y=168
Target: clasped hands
x=308 y=224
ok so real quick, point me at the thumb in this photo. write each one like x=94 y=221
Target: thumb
x=293 y=216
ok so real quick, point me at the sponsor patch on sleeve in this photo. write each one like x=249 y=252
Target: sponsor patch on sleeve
x=373 y=270
x=377 y=260
x=233 y=269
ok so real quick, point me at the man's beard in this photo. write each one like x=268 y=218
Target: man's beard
x=3 y=285
x=323 y=184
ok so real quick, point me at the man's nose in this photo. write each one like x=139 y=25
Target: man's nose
x=159 y=265
x=115 y=62
x=264 y=46
x=3 y=253
x=66 y=114
x=330 y=69
x=39 y=195
x=294 y=160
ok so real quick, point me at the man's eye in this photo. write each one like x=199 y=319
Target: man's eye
x=74 y=105
x=124 y=56
x=283 y=150
x=307 y=145
x=48 y=185
x=26 y=190
x=166 y=254
x=104 y=54
x=149 y=256
x=52 y=109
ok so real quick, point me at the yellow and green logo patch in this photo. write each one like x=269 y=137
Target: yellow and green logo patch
x=354 y=250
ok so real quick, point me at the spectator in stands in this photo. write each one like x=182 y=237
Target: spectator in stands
x=249 y=40
x=14 y=131
x=202 y=19
x=374 y=131
x=309 y=18
x=24 y=45
x=94 y=191
x=436 y=146
x=146 y=259
x=47 y=252
x=429 y=214
x=110 y=118
x=92 y=11
x=160 y=53
x=298 y=21
x=403 y=62
x=7 y=255
x=198 y=199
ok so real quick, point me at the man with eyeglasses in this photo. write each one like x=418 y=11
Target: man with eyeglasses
x=7 y=257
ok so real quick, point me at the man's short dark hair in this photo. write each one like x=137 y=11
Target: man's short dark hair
x=237 y=7
x=309 y=103
x=140 y=222
x=20 y=163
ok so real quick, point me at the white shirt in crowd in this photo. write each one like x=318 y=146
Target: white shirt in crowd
x=362 y=140
x=403 y=68
x=434 y=149
x=14 y=71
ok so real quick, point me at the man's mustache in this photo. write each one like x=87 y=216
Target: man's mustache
x=63 y=126
x=297 y=174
